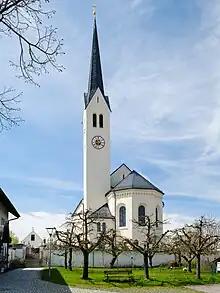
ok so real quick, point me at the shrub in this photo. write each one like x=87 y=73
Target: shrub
x=17 y=263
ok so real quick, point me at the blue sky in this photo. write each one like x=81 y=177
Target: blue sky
x=161 y=66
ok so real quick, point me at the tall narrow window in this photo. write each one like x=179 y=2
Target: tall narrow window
x=156 y=217
x=98 y=227
x=32 y=237
x=141 y=215
x=103 y=227
x=101 y=121
x=94 y=120
x=97 y=99
x=122 y=216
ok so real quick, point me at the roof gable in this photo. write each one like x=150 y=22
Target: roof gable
x=119 y=174
x=136 y=181
x=103 y=212
x=8 y=205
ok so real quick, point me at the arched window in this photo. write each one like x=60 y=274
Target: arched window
x=94 y=120
x=156 y=216
x=98 y=227
x=122 y=216
x=101 y=121
x=141 y=215
x=103 y=227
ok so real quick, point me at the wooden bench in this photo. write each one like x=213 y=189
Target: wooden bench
x=116 y=274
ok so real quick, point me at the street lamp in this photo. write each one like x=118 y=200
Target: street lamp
x=50 y=232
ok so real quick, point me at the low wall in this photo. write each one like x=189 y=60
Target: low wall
x=16 y=253
x=102 y=259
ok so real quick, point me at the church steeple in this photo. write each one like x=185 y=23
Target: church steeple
x=95 y=74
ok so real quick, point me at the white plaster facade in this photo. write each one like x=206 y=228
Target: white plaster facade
x=32 y=240
x=105 y=194
x=96 y=161
x=102 y=259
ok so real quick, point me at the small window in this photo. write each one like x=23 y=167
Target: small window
x=94 y=120
x=101 y=121
x=97 y=99
x=156 y=217
x=103 y=227
x=122 y=216
x=123 y=176
x=141 y=215
x=98 y=227
x=32 y=237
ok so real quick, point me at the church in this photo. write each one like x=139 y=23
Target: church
x=114 y=199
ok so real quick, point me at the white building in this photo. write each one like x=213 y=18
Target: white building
x=124 y=194
x=32 y=240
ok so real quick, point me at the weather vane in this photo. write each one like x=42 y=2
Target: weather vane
x=94 y=10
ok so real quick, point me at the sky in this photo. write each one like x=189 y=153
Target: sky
x=161 y=67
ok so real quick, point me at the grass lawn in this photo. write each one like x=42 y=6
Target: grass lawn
x=159 y=277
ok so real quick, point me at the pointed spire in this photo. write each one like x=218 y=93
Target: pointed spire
x=95 y=77
x=95 y=74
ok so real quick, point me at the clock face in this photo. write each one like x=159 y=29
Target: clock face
x=98 y=142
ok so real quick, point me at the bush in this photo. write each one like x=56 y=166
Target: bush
x=17 y=263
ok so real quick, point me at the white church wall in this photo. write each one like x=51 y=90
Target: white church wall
x=96 y=161
x=150 y=200
x=102 y=259
x=124 y=198
x=111 y=202
x=118 y=175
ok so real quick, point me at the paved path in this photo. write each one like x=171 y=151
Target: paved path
x=28 y=281
x=206 y=288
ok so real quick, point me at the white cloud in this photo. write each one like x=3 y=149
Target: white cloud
x=175 y=221
x=37 y=220
x=56 y=183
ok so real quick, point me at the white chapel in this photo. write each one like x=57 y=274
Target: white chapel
x=116 y=198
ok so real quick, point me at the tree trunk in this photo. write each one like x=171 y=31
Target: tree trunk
x=70 y=258
x=146 y=268
x=151 y=261
x=190 y=266
x=65 y=259
x=198 y=266
x=114 y=258
x=179 y=260
x=85 y=265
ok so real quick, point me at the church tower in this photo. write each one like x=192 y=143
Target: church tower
x=96 y=134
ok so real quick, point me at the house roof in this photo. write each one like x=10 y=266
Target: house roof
x=95 y=74
x=135 y=181
x=103 y=212
x=8 y=205
x=122 y=165
x=81 y=201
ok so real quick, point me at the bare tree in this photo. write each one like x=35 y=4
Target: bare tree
x=68 y=242
x=172 y=245
x=9 y=109
x=114 y=245
x=39 y=47
x=83 y=237
x=38 y=42
x=201 y=238
x=150 y=245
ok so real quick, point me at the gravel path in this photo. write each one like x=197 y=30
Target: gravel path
x=28 y=281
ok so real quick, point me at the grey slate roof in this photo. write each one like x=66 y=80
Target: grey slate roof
x=7 y=203
x=95 y=75
x=135 y=181
x=103 y=212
